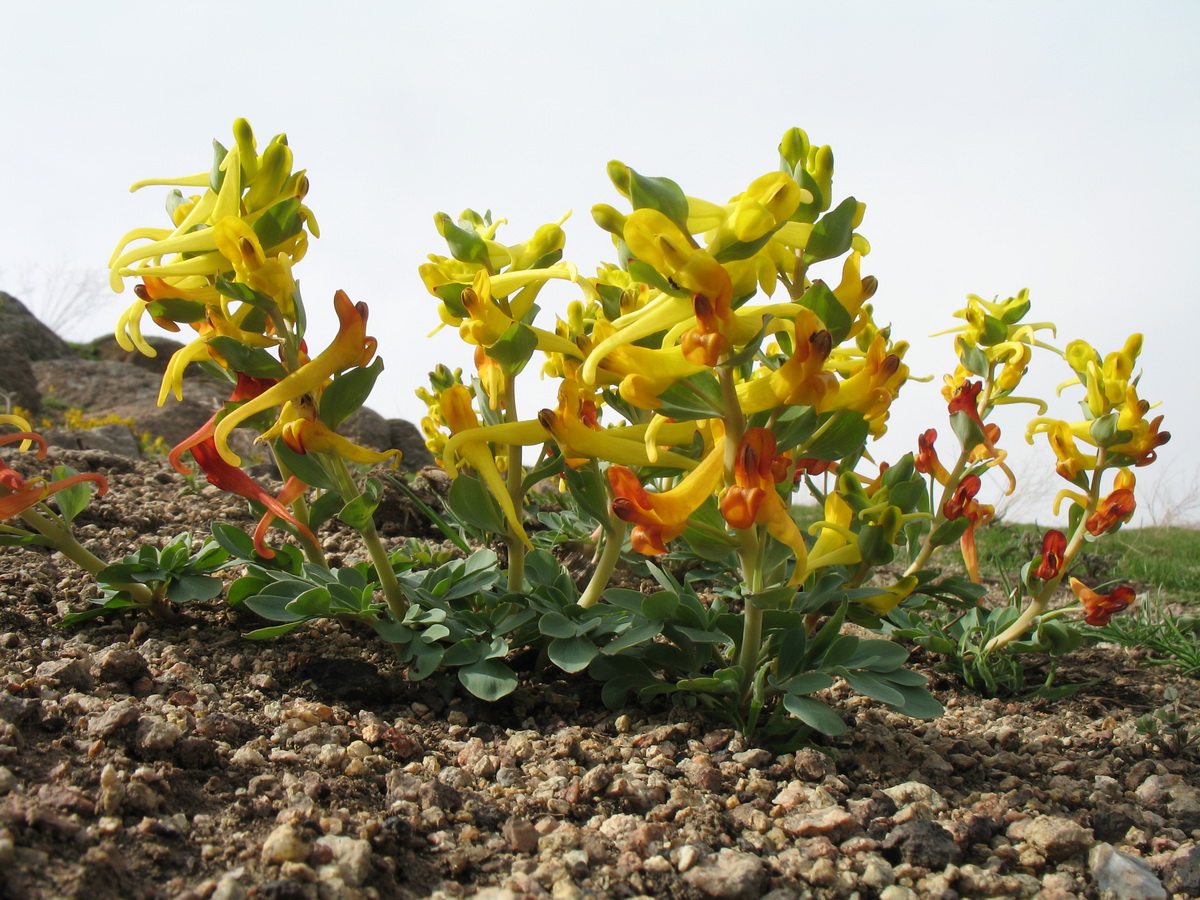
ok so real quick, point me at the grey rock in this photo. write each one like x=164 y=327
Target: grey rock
x=367 y=428
x=116 y=716
x=832 y=822
x=68 y=672
x=520 y=834
x=95 y=385
x=106 y=348
x=729 y=875
x=18 y=386
x=174 y=421
x=229 y=888
x=407 y=438
x=119 y=664
x=813 y=765
x=156 y=735
x=920 y=842
x=37 y=341
x=1181 y=872
x=116 y=438
x=916 y=792
x=285 y=844
x=753 y=759
x=352 y=856
x=1120 y=876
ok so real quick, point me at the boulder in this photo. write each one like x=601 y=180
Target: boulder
x=407 y=438
x=18 y=386
x=38 y=341
x=106 y=347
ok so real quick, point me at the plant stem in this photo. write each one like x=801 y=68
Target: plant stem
x=614 y=540
x=312 y=550
x=750 y=549
x=66 y=544
x=396 y=601
x=1038 y=604
x=927 y=546
x=514 y=478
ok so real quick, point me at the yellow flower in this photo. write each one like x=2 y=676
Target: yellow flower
x=659 y=518
x=301 y=429
x=753 y=499
x=836 y=544
x=486 y=321
x=1071 y=462
x=642 y=373
x=470 y=441
x=802 y=380
x=350 y=348
x=889 y=598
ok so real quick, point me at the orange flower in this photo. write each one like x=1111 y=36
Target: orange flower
x=246 y=388
x=350 y=348
x=659 y=518
x=235 y=481
x=753 y=498
x=18 y=494
x=1115 y=509
x=927 y=461
x=1102 y=607
x=963 y=503
x=1054 y=544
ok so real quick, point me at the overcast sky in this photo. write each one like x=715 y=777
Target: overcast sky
x=997 y=146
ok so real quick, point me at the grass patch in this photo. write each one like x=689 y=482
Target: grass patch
x=1166 y=557
x=1170 y=640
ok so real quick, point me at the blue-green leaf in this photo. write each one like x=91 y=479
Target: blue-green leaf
x=488 y=679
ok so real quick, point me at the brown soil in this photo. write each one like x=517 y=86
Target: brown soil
x=141 y=759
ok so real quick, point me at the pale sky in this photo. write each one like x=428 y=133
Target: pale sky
x=996 y=146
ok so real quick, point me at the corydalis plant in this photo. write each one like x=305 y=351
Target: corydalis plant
x=693 y=412
x=224 y=270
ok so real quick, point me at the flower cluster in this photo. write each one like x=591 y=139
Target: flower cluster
x=695 y=397
x=224 y=270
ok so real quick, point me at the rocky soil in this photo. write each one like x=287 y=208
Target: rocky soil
x=147 y=760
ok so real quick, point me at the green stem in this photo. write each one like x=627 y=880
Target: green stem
x=396 y=601
x=1038 y=604
x=291 y=348
x=750 y=549
x=614 y=540
x=313 y=551
x=927 y=545
x=735 y=421
x=514 y=478
x=66 y=543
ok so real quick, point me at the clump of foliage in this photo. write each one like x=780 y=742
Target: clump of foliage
x=726 y=367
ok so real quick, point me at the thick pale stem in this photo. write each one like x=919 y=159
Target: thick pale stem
x=927 y=545
x=614 y=539
x=66 y=544
x=1038 y=604
x=751 y=647
x=392 y=593
x=515 y=477
x=750 y=549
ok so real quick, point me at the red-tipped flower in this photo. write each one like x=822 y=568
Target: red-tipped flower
x=1115 y=509
x=18 y=494
x=235 y=481
x=1102 y=607
x=1054 y=545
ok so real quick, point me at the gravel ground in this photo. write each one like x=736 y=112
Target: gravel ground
x=149 y=760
